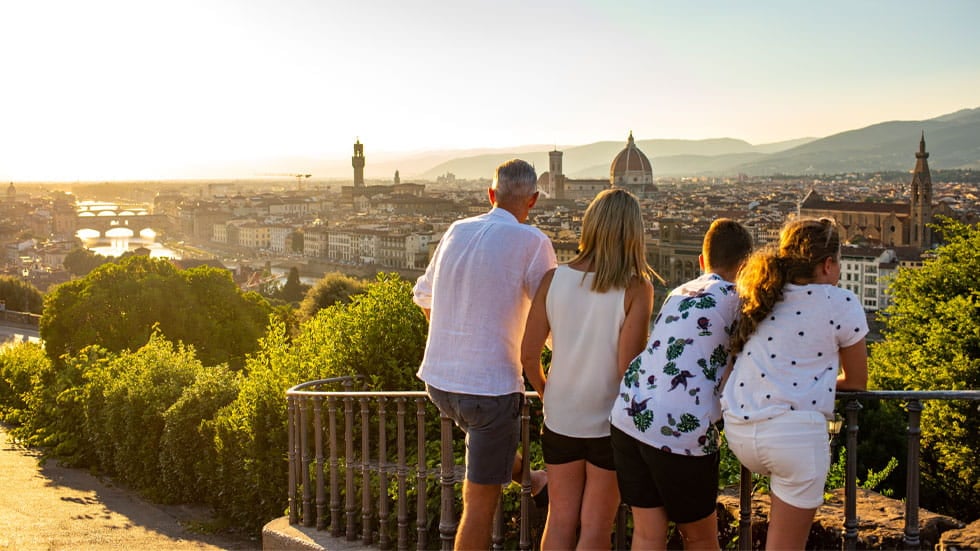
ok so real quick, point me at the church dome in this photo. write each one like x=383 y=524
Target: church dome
x=631 y=166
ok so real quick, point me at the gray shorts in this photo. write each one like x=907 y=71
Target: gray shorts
x=493 y=427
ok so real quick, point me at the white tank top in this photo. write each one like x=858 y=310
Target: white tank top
x=583 y=380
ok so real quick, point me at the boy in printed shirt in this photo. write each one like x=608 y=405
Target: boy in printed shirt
x=663 y=425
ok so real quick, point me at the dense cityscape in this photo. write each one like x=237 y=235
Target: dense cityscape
x=260 y=229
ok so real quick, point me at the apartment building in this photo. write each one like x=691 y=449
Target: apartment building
x=867 y=271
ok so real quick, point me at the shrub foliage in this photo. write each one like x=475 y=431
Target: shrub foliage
x=137 y=403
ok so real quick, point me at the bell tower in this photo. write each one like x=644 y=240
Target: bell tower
x=920 y=200
x=358 y=162
x=557 y=190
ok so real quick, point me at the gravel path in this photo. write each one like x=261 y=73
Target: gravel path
x=50 y=507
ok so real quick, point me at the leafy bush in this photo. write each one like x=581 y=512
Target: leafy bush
x=21 y=366
x=118 y=305
x=187 y=449
x=332 y=288
x=125 y=414
x=933 y=343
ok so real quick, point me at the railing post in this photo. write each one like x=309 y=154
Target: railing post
x=525 y=525
x=447 y=517
x=745 y=510
x=349 y=467
x=334 y=468
x=850 y=476
x=304 y=430
x=321 y=498
x=421 y=518
x=619 y=542
x=291 y=452
x=497 y=536
x=402 y=476
x=912 y=478
x=383 y=537
x=366 y=528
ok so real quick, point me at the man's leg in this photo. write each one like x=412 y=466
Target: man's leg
x=479 y=505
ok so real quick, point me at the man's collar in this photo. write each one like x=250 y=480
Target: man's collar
x=502 y=213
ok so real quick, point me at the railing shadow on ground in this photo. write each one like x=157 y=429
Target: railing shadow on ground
x=392 y=477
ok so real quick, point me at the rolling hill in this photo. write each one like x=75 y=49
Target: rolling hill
x=953 y=141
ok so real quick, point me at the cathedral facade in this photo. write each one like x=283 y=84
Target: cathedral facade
x=885 y=224
x=630 y=170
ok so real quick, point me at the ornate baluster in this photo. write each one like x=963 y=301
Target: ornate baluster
x=447 y=516
x=619 y=543
x=402 y=482
x=383 y=538
x=497 y=536
x=912 y=477
x=291 y=452
x=304 y=431
x=525 y=526
x=349 y=467
x=745 y=510
x=421 y=519
x=368 y=533
x=334 y=468
x=850 y=476
x=321 y=499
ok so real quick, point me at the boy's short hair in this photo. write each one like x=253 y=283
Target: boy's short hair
x=726 y=244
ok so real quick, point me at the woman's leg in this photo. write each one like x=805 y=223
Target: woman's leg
x=565 y=484
x=789 y=526
x=600 y=501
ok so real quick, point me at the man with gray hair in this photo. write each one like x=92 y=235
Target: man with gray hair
x=476 y=292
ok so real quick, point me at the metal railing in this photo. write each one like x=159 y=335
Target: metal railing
x=851 y=402
x=384 y=480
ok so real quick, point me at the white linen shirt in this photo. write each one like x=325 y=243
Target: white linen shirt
x=479 y=286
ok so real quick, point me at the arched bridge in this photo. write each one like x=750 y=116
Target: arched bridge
x=107 y=220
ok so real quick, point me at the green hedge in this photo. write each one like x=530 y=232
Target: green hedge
x=177 y=430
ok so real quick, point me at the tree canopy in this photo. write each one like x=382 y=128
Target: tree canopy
x=332 y=288
x=19 y=295
x=118 y=305
x=932 y=342
x=79 y=262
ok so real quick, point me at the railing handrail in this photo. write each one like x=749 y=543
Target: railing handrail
x=299 y=390
x=307 y=402
x=296 y=391
x=909 y=394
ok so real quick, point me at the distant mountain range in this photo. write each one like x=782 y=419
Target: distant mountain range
x=952 y=140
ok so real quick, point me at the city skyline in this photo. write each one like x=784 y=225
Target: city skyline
x=109 y=90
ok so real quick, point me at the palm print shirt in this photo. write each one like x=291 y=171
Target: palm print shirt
x=669 y=395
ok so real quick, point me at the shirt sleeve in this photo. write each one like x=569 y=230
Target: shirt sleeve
x=543 y=259
x=422 y=291
x=854 y=325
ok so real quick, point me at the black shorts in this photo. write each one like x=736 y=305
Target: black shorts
x=685 y=485
x=558 y=449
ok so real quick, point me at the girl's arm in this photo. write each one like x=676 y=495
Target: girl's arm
x=853 y=367
x=535 y=333
x=636 y=327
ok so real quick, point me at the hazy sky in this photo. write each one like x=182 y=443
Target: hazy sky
x=104 y=89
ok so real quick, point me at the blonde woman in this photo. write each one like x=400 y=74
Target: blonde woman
x=799 y=338
x=597 y=311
